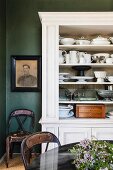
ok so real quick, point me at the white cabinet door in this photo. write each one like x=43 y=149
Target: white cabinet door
x=70 y=135
x=103 y=133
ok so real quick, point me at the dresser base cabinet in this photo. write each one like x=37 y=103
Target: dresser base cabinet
x=75 y=132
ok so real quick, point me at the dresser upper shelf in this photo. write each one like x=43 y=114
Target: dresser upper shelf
x=88 y=64
x=88 y=48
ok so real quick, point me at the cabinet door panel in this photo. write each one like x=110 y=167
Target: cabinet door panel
x=70 y=135
x=103 y=133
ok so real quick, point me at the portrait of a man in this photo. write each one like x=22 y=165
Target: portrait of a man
x=27 y=80
x=26 y=73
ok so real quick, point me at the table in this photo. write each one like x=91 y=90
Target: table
x=56 y=159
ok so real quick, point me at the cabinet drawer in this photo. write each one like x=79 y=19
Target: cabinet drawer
x=90 y=111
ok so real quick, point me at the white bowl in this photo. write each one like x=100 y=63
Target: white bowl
x=65 y=111
x=100 y=75
x=67 y=41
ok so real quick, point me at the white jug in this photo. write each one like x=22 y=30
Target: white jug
x=73 y=57
x=87 y=58
x=81 y=57
x=61 y=56
x=67 y=58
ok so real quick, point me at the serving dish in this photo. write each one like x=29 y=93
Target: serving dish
x=106 y=94
x=67 y=41
x=85 y=95
x=100 y=41
x=65 y=111
x=100 y=75
x=82 y=41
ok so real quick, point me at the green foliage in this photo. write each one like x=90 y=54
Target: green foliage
x=94 y=155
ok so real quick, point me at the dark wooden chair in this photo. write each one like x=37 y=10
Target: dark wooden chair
x=33 y=140
x=20 y=125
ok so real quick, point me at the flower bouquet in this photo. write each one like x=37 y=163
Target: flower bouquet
x=93 y=155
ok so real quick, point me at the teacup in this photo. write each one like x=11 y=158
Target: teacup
x=109 y=60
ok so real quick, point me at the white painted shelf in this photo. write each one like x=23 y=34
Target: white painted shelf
x=85 y=102
x=92 y=65
x=93 y=48
x=108 y=83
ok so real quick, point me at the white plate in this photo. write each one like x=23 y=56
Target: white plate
x=81 y=78
x=63 y=74
x=71 y=113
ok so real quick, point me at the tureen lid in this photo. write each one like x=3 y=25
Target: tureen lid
x=100 y=38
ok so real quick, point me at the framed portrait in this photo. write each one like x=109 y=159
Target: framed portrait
x=25 y=73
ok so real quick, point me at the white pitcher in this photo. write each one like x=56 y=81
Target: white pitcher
x=61 y=56
x=81 y=57
x=73 y=57
x=87 y=58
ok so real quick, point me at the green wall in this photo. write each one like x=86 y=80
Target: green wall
x=23 y=37
x=2 y=77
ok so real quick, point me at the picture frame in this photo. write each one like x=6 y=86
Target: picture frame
x=25 y=73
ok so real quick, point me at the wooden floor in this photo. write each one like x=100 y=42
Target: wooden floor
x=14 y=164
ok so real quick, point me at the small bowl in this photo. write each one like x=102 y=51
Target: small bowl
x=67 y=41
x=100 y=74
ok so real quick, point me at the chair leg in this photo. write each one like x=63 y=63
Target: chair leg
x=11 y=150
x=7 y=151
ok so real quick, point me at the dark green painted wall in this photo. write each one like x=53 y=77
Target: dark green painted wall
x=24 y=37
x=2 y=77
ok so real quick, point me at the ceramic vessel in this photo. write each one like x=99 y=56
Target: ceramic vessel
x=100 y=75
x=82 y=41
x=67 y=41
x=65 y=111
x=100 y=41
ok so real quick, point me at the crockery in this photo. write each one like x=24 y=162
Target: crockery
x=110 y=78
x=81 y=78
x=100 y=41
x=100 y=57
x=82 y=41
x=109 y=60
x=61 y=56
x=73 y=57
x=111 y=39
x=63 y=76
x=65 y=111
x=100 y=75
x=67 y=41
x=107 y=94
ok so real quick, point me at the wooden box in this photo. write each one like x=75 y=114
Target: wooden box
x=90 y=111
